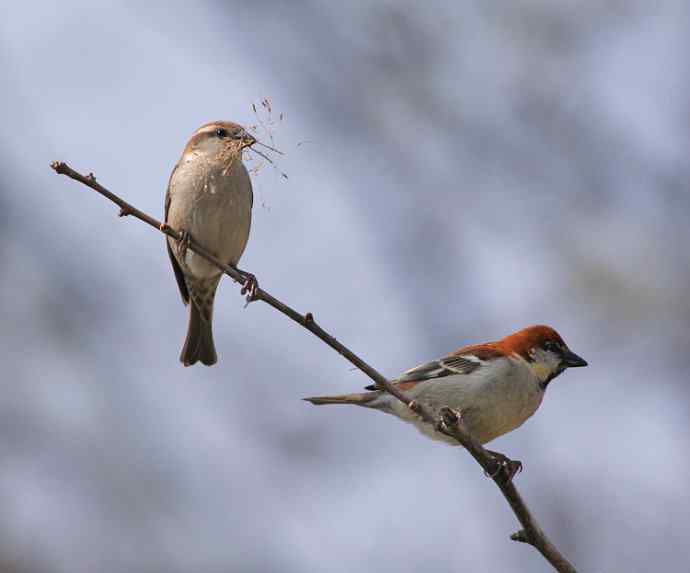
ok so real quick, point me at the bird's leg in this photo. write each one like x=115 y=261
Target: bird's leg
x=506 y=465
x=249 y=286
x=449 y=418
x=414 y=406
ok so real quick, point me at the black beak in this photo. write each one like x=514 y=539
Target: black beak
x=572 y=360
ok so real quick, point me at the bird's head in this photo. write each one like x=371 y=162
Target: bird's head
x=219 y=139
x=544 y=351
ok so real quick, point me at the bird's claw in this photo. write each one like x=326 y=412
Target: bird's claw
x=448 y=419
x=449 y=416
x=414 y=406
x=249 y=287
x=509 y=468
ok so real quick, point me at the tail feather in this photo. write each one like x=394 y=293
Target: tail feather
x=362 y=399
x=198 y=346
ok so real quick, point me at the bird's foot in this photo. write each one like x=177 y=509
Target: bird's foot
x=249 y=287
x=449 y=418
x=509 y=468
x=414 y=406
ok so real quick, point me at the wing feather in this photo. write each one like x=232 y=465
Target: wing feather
x=179 y=275
x=450 y=365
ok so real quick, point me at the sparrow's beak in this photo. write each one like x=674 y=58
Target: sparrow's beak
x=248 y=140
x=572 y=360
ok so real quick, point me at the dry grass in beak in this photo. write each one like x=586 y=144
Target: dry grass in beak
x=267 y=158
x=265 y=126
x=257 y=142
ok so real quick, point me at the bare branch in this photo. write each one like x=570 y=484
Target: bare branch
x=449 y=423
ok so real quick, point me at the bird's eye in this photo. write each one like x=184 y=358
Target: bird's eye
x=220 y=132
x=551 y=346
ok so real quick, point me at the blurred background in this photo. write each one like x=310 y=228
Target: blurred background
x=457 y=170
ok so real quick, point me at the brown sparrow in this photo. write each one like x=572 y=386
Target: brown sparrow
x=494 y=387
x=209 y=200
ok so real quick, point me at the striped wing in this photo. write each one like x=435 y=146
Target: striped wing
x=450 y=365
x=463 y=361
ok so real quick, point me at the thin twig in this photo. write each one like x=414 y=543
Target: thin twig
x=450 y=423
